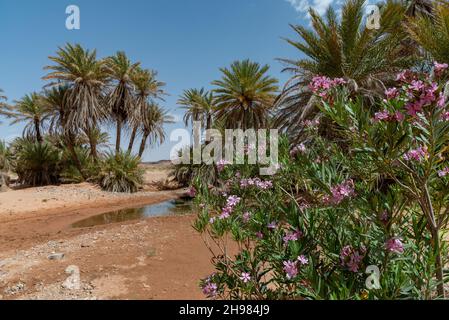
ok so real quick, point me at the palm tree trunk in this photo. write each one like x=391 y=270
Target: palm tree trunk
x=131 y=141
x=142 y=144
x=37 y=127
x=70 y=145
x=93 y=145
x=119 y=136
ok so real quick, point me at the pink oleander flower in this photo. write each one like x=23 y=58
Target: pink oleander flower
x=291 y=269
x=298 y=149
x=438 y=68
x=221 y=164
x=392 y=93
x=212 y=220
x=264 y=185
x=444 y=172
x=418 y=154
x=416 y=85
x=246 y=217
x=351 y=258
x=395 y=245
x=382 y=116
x=445 y=116
x=245 y=277
x=259 y=235
x=210 y=289
x=340 y=192
x=312 y=123
x=321 y=85
x=399 y=116
x=226 y=213
x=414 y=107
x=441 y=102
x=292 y=236
x=233 y=201
x=303 y=260
x=192 y=192
x=272 y=225
x=405 y=76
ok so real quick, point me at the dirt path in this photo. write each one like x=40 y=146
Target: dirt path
x=157 y=258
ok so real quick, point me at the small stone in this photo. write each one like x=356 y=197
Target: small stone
x=56 y=256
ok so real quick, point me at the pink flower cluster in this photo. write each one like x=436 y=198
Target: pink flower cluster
x=438 y=68
x=221 y=164
x=292 y=236
x=419 y=93
x=445 y=116
x=311 y=123
x=264 y=185
x=298 y=149
x=231 y=203
x=210 y=288
x=395 y=245
x=418 y=154
x=387 y=116
x=291 y=267
x=192 y=192
x=351 y=258
x=321 y=85
x=444 y=172
x=340 y=192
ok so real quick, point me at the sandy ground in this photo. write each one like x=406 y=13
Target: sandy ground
x=156 y=258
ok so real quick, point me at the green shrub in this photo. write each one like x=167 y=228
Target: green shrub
x=37 y=164
x=120 y=173
x=70 y=172
x=5 y=157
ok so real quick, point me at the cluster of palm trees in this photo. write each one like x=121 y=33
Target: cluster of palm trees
x=83 y=94
x=411 y=33
x=243 y=98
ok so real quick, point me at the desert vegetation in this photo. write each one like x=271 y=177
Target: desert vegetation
x=63 y=139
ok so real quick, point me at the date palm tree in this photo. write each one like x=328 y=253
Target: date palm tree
x=146 y=87
x=58 y=110
x=31 y=110
x=199 y=105
x=153 y=126
x=121 y=98
x=86 y=76
x=244 y=95
x=431 y=32
x=344 y=48
x=4 y=108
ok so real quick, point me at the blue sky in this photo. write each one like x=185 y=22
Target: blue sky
x=186 y=41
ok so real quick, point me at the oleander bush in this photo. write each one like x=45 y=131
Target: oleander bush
x=363 y=216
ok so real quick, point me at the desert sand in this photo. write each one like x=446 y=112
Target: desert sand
x=155 y=258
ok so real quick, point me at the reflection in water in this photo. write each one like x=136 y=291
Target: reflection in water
x=171 y=207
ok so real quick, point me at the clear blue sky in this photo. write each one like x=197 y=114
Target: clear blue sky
x=186 y=41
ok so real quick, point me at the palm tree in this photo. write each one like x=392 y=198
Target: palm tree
x=29 y=109
x=153 y=126
x=86 y=76
x=245 y=95
x=121 y=99
x=199 y=105
x=57 y=110
x=432 y=32
x=342 y=48
x=4 y=108
x=146 y=87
